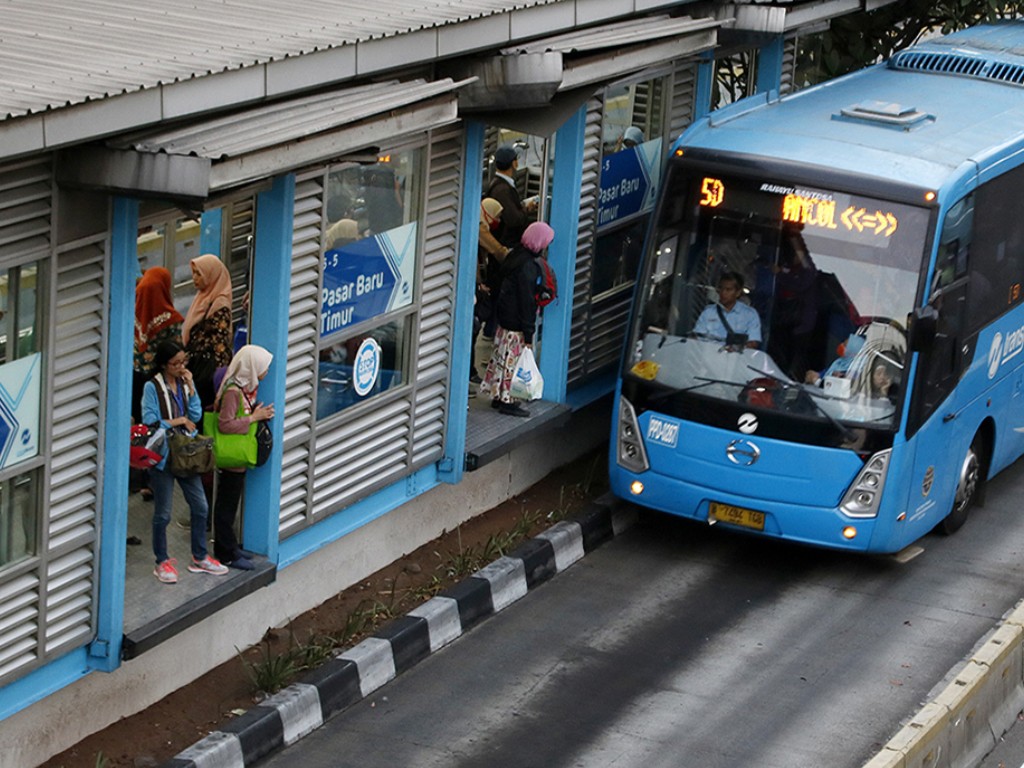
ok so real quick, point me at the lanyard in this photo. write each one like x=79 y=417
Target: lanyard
x=179 y=398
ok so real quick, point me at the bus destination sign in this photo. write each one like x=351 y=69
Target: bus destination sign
x=812 y=209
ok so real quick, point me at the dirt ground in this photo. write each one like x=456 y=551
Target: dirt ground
x=184 y=717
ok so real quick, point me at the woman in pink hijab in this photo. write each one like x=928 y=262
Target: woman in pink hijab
x=206 y=332
x=516 y=311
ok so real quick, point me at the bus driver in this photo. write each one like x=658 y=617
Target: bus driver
x=730 y=320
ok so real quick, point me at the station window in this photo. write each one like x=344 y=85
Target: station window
x=632 y=138
x=371 y=247
x=21 y=376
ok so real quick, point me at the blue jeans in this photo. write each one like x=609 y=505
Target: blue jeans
x=162 y=483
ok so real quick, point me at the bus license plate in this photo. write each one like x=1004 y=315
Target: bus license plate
x=745 y=518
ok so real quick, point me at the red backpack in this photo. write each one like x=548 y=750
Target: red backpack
x=546 y=289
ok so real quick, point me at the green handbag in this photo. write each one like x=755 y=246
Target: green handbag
x=231 y=451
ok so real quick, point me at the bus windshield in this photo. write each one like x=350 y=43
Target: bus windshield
x=778 y=297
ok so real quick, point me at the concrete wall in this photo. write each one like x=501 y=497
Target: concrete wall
x=69 y=715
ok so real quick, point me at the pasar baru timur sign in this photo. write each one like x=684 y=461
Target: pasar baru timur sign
x=367 y=278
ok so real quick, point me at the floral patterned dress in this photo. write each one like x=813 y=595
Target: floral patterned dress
x=209 y=348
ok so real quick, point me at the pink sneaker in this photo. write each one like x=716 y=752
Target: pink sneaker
x=207 y=565
x=166 y=572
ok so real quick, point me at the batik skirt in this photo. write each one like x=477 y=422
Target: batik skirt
x=497 y=383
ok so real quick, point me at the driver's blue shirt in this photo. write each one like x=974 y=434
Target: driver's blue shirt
x=742 y=318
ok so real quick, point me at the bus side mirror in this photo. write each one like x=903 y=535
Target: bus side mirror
x=923 y=328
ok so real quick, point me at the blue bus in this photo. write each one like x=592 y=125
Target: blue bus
x=826 y=342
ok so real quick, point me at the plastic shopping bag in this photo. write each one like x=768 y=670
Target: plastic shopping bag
x=527 y=383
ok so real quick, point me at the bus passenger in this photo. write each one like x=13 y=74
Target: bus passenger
x=730 y=320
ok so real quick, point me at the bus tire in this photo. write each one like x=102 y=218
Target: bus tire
x=968 y=486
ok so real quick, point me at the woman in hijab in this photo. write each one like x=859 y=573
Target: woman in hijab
x=516 y=311
x=490 y=254
x=206 y=332
x=237 y=409
x=156 y=320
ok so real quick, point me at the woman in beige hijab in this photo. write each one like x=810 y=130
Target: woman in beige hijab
x=206 y=331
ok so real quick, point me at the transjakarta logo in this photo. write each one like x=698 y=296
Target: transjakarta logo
x=1002 y=351
x=664 y=432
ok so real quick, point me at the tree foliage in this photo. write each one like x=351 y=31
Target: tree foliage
x=861 y=39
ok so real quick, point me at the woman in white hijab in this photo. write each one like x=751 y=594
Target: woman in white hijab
x=237 y=409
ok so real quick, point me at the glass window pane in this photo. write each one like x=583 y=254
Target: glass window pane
x=633 y=146
x=28 y=291
x=18 y=511
x=6 y=317
x=356 y=369
x=150 y=247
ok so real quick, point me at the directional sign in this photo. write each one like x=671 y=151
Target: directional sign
x=629 y=180
x=368 y=278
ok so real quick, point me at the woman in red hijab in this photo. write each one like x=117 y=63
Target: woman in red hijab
x=156 y=320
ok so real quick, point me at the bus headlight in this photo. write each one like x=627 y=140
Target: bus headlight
x=629 y=444
x=862 y=497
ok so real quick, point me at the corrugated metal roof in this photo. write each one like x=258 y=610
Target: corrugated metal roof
x=254 y=129
x=55 y=53
x=616 y=35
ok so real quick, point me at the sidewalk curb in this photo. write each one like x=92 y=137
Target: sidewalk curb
x=355 y=673
x=965 y=720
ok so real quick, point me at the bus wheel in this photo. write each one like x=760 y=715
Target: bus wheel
x=967 y=487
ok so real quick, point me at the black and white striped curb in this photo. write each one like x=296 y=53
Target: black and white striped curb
x=354 y=674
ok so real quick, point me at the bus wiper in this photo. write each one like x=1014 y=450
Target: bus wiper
x=845 y=431
x=703 y=383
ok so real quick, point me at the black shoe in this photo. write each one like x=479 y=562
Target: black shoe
x=513 y=409
x=474 y=378
x=495 y=404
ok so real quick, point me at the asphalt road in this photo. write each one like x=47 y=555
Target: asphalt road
x=679 y=645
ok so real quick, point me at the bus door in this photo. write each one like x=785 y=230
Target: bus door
x=940 y=444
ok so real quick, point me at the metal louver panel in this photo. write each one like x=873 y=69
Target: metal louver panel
x=241 y=215
x=362 y=452
x=360 y=455
x=437 y=294
x=589 y=192
x=25 y=207
x=19 y=623
x=786 y=83
x=73 y=499
x=684 y=81
x=301 y=364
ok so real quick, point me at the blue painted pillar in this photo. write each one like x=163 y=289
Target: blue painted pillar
x=210 y=237
x=271 y=284
x=769 y=65
x=105 y=650
x=704 y=86
x=450 y=468
x=564 y=218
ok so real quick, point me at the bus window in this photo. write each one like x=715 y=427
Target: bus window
x=997 y=253
x=941 y=362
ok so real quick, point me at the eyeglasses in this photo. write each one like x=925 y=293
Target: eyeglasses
x=182 y=361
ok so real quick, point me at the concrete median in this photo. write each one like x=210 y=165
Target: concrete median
x=964 y=721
